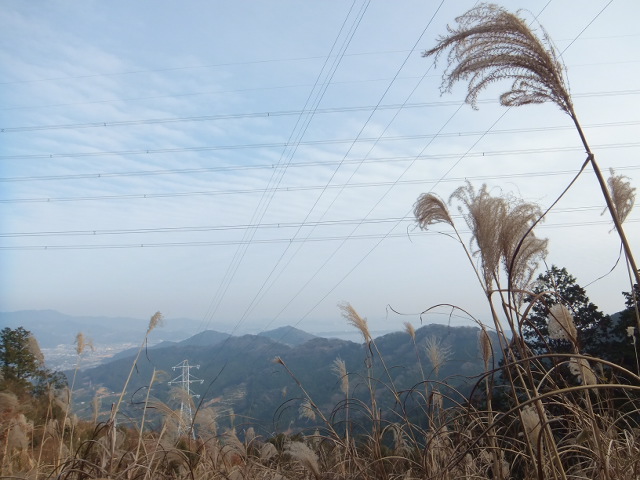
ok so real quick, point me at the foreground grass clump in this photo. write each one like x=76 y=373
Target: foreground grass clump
x=432 y=432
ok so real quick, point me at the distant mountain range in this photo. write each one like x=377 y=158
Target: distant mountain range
x=244 y=385
x=285 y=335
x=240 y=379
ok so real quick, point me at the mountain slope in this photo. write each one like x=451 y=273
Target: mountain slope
x=288 y=335
x=240 y=374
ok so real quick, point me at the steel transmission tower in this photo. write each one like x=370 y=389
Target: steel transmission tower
x=184 y=381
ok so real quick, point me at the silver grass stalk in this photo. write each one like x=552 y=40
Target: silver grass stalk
x=339 y=368
x=302 y=453
x=486 y=349
x=483 y=214
x=429 y=210
x=353 y=318
x=157 y=320
x=34 y=349
x=561 y=325
x=437 y=353
x=581 y=368
x=410 y=330
x=532 y=425
x=622 y=194
x=306 y=410
x=491 y=44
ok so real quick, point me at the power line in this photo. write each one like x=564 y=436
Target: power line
x=298 y=188
x=389 y=233
x=266 y=114
x=334 y=238
x=296 y=135
x=249 y=62
x=212 y=228
x=269 y=166
x=191 y=67
x=282 y=145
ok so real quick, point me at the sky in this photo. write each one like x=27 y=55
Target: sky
x=250 y=165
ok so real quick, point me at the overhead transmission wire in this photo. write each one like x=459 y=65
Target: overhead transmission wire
x=173 y=150
x=317 y=100
x=166 y=69
x=286 y=240
x=233 y=227
x=351 y=235
x=182 y=171
x=264 y=289
x=296 y=135
x=366 y=255
x=265 y=114
x=265 y=199
x=291 y=188
x=106 y=174
x=389 y=233
x=227 y=64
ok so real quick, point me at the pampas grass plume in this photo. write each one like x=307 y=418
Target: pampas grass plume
x=430 y=209
x=306 y=411
x=437 y=353
x=303 y=454
x=156 y=320
x=484 y=344
x=561 y=324
x=340 y=369
x=580 y=367
x=531 y=424
x=410 y=330
x=353 y=318
x=622 y=194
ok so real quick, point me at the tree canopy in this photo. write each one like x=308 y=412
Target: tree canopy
x=557 y=286
x=22 y=362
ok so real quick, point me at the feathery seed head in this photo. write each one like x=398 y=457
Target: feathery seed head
x=531 y=423
x=156 y=320
x=430 y=209
x=580 y=367
x=268 y=451
x=484 y=214
x=34 y=349
x=437 y=353
x=622 y=194
x=491 y=44
x=82 y=343
x=302 y=453
x=561 y=325
x=437 y=399
x=631 y=333
x=353 y=318
x=500 y=227
x=410 y=330
x=8 y=402
x=340 y=369
x=307 y=411
x=486 y=350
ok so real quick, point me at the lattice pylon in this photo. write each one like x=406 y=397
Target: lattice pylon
x=184 y=380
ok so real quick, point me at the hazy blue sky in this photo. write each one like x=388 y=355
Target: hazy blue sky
x=255 y=163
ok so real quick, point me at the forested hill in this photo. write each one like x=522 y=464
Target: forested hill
x=239 y=373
